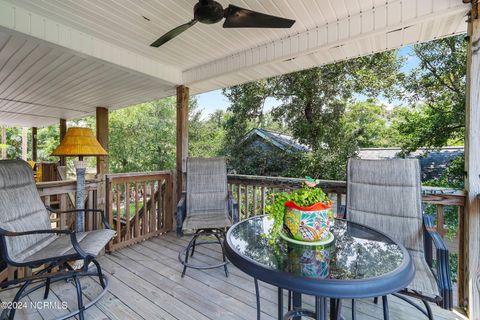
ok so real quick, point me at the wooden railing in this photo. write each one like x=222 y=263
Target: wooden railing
x=139 y=206
x=55 y=194
x=253 y=193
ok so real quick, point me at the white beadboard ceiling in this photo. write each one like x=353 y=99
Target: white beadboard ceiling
x=62 y=58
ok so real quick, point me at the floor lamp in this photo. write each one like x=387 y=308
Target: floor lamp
x=79 y=142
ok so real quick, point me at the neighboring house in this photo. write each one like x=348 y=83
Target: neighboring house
x=432 y=163
x=264 y=152
x=269 y=140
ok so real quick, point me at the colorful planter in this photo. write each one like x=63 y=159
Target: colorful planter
x=308 y=223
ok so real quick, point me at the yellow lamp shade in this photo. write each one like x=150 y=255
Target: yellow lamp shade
x=79 y=142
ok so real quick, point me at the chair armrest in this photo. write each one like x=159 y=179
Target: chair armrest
x=96 y=211
x=232 y=208
x=73 y=239
x=181 y=214
x=444 y=281
x=5 y=233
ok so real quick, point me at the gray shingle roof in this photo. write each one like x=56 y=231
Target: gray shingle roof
x=432 y=162
x=280 y=140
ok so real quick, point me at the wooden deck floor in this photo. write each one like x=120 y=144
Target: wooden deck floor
x=145 y=283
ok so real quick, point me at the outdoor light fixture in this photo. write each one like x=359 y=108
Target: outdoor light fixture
x=79 y=142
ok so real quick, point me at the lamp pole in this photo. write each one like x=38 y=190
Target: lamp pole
x=79 y=199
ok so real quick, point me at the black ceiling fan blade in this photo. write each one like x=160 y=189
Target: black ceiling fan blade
x=172 y=34
x=236 y=17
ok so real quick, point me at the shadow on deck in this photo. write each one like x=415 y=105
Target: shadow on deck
x=145 y=283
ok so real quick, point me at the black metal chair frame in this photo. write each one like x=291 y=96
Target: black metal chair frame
x=46 y=277
x=218 y=233
x=442 y=276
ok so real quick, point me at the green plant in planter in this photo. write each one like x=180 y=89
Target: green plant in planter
x=306 y=196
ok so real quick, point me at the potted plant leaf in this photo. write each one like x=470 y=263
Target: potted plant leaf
x=303 y=215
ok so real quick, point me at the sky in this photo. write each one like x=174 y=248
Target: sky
x=211 y=101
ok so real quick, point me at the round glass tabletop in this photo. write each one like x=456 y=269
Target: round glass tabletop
x=360 y=262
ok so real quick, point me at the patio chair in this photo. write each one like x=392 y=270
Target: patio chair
x=386 y=195
x=28 y=240
x=207 y=207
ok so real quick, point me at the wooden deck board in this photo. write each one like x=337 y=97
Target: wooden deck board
x=145 y=283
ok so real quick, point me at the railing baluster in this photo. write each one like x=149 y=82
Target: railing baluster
x=440 y=219
x=254 y=200
x=127 y=211
x=246 y=202
x=153 y=211
x=119 y=220
x=145 y=210
x=239 y=201
x=137 y=227
x=263 y=199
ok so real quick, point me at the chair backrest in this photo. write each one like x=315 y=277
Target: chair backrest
x=21 y=208
x=386 y=195
x=206 y=186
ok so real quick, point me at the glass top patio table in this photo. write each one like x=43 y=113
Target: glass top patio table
x=361 y=262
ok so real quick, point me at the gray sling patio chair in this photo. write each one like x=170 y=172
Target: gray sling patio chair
x=28 y=240
x=386 y=195
x=207 y=207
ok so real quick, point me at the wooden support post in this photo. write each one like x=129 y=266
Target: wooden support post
x=63 y=132
x=4 y=142
x=24 y=143
x=182 y=137
x=34 y=144
x=102 y=162
x=102 y=137
x=472 y=168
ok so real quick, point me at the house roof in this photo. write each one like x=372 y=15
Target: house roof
x=432 y=162
x=61 y=59
x=280 y=140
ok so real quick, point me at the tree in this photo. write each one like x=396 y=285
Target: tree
x=436 y=92
x=313 y=104
x=368 y=121
x=142 y=137
x=206 y=136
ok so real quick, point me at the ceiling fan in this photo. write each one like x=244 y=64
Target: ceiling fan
x=210 y=11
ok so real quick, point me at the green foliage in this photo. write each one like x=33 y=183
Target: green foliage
x=206 y=136
x=313 y=106
x=142 y=137
x=304 y=197
x=436 y=92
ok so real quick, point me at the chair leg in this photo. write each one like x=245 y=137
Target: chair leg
x=78 y=287
x=193 y=248
x=257 y=296
x=189 y=246
x=289 y=300
x=386 y=315
x=354 y=314
x=338 y=310
x=99 y=272
x=223 y=252
x=47 y=288
x=17 y=298
x=429 y=310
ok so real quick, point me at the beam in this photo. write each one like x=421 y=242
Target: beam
x=472 y=168
x=102 y=137
x=63 y=131
x=4 y=142
x=34 y=144
x=182 y=137
x=24 y=143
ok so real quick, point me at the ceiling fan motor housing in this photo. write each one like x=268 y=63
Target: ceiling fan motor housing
x=208 y=12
